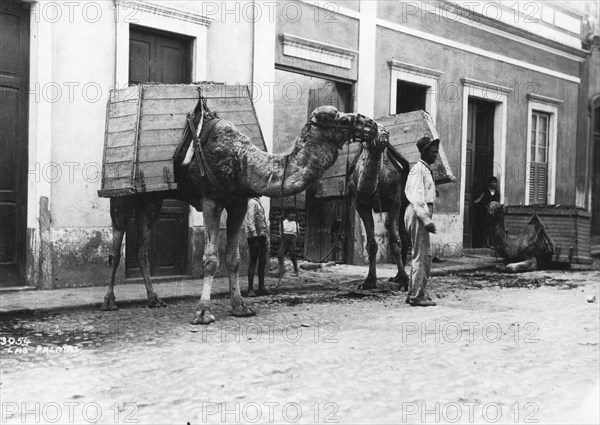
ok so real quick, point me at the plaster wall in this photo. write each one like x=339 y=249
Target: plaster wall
x=456 y=65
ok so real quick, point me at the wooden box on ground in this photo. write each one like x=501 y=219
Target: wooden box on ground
x=569 y=228
x=145 y=124
x=405 y=129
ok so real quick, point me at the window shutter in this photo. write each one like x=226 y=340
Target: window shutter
x=532 y=183
x=538 y=183
x=541 y=179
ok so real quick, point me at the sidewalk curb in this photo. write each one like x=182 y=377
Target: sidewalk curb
x=96 y=304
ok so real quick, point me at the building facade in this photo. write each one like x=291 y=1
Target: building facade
x=508 y=85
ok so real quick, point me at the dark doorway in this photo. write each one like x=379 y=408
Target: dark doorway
x=410 y=97
x=161 y=57
x=328 y=239
x=14 y=110
x=479 y=167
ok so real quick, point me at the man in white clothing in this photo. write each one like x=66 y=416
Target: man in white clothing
x=420 y=191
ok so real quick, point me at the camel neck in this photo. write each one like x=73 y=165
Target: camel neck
x=285 y=175
x=368 y=178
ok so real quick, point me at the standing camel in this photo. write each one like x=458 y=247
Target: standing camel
x=377 y=181
x=225 y=171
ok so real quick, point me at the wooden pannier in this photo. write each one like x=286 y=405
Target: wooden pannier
x=568 y=226
x=145 y=124
x=405 y=129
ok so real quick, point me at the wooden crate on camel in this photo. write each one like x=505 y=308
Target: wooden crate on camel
x=404 y=129
x=146 y=123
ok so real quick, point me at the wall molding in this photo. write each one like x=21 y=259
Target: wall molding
x=475 y=50
x=415 y=69
x=469 y=82
x=533 y=97
x=316 y=51
x=166 y=11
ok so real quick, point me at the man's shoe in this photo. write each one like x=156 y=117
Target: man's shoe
x=422 y=303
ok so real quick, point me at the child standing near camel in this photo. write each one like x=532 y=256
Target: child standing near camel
x=289 y=237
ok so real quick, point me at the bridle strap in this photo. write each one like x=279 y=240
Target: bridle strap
x=363 y=128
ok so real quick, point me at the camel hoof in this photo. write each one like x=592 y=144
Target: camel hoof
x=109 y=304
x=368 y=284
x=203 y=317
x=154 y=302
x=251 y=293
x=243 y=311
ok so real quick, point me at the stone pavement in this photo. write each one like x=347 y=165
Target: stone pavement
x=24 y=300
x=497 y=349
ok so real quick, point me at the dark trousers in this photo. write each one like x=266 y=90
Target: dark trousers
x=258 y=254
x=288 y=244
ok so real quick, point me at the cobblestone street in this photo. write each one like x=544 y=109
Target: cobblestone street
x=503 y=349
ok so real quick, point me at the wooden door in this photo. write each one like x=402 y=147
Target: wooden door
x=323 y=213
x=163 y=58
x=479 y=167
x=14 y=88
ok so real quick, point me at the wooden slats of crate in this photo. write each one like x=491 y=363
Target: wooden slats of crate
x=405 y=130
x=233 y=103
x=145 y=124
x=569 y=228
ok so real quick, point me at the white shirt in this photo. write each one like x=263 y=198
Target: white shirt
x=420 y=190
x=290 y=227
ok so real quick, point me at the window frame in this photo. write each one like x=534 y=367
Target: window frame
x=548 y=106
x=429 y=78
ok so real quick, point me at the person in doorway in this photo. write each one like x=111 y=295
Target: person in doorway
x=490 y=194
x=420 y=191
x=289 y=236
x=257 y=232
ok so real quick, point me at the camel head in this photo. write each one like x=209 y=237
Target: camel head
x=495 y=213
x=378 y=144
x=341 y=127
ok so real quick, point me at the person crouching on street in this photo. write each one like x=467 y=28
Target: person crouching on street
x=257 y=232
x=420 y=191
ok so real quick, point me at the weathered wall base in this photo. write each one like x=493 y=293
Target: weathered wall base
x=68 y=257
x=80 y=257
x=39 y=248
x=447 y=242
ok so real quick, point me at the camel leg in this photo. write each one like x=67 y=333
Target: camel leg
x=367 y=219
x=121 y=209
x=404 y=238
x=396 y=245
x=522 y=266
x=235 y=218
x=145 y=216
x=212 y=217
